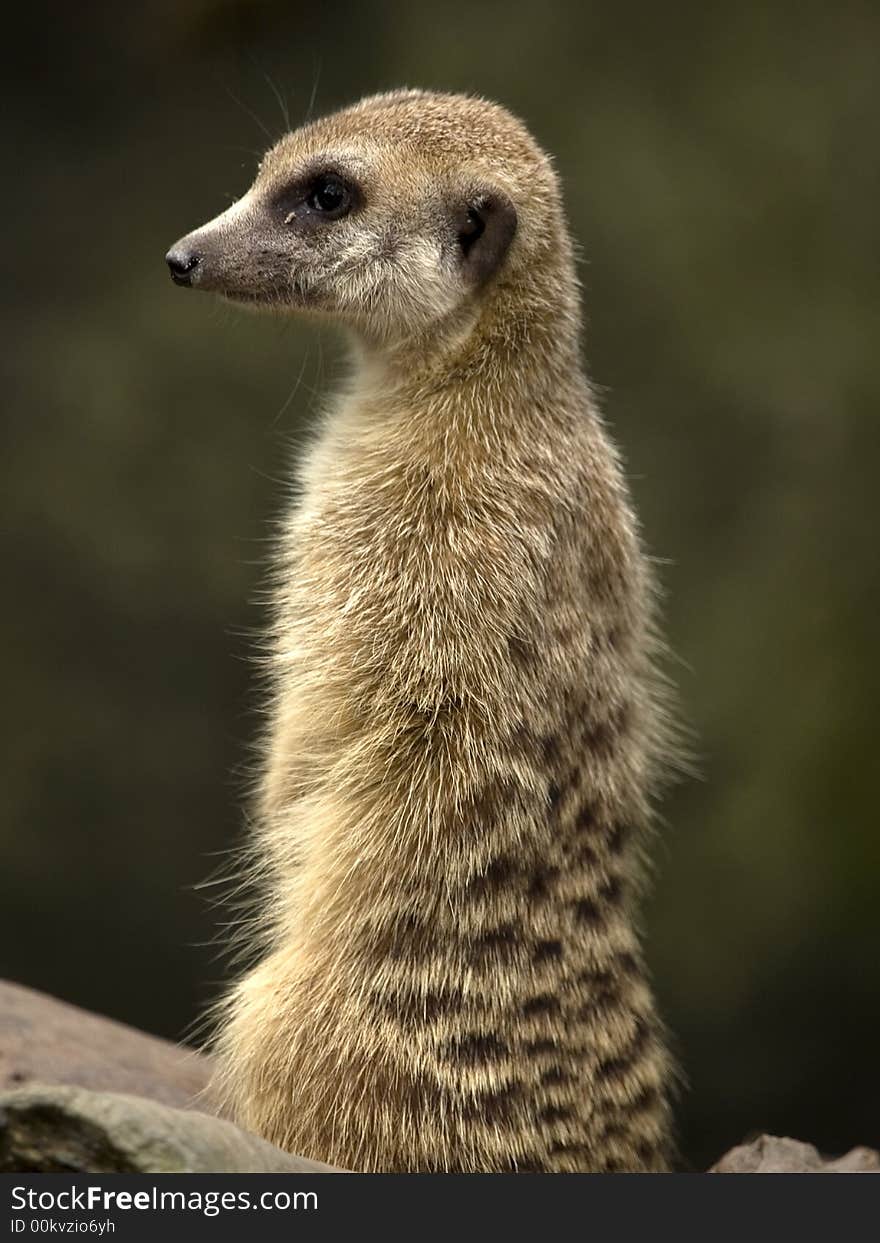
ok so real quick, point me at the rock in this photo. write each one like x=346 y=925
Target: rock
x=47 y=1041
x=52 y=1130
x=769 y=1154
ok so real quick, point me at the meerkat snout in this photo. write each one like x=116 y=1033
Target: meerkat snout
x=182 y=264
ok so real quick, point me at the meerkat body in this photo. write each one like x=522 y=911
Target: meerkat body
x=464 y=732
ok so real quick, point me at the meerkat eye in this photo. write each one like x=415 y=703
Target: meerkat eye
x=330 y=196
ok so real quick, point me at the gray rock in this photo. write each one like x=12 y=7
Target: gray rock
x=770 y=1154
x=52 y=1130
x=47 y=1041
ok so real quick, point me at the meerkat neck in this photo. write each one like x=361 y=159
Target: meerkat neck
x=500 y=347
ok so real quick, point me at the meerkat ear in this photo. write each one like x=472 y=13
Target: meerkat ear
x=485 y=224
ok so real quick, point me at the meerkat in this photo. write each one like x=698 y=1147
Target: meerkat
x=466 y=725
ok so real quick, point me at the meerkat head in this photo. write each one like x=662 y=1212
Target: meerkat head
x=396 y=216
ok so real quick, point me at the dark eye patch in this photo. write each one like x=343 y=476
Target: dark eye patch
x=317 y=197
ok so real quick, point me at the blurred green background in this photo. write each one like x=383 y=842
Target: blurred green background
x=721 y=171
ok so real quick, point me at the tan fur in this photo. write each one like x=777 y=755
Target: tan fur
x=464 y=734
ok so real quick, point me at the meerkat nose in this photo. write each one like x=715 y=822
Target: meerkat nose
x=182 y=263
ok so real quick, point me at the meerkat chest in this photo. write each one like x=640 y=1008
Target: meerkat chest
x=392 y=523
